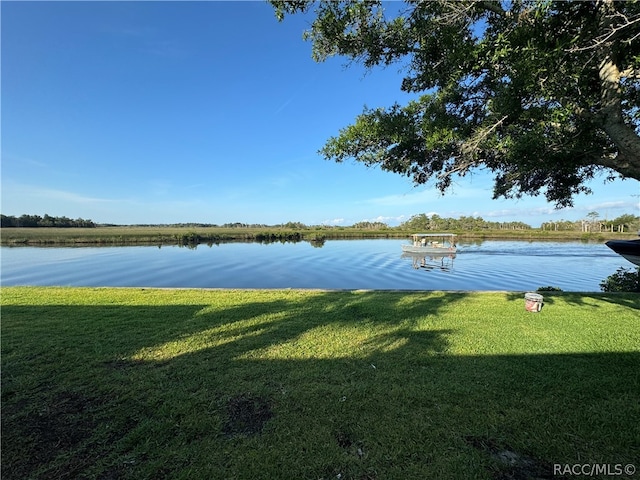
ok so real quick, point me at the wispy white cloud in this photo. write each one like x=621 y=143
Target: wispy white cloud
x=128 y=31
x=430 y=195
x=164 y=48
x=22 y=198
x=335 y=221
x=51 y=194
x=302 y=87
x=284 y=105
x=149 y=40
x=519 y=212
x=282 y=181
x=614 y=205
x=535 y=215
x=9 y=157
x=403 y=200
x=159 y=187
x=390 y=220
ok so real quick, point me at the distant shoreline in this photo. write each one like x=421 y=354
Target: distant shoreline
x=168 y=235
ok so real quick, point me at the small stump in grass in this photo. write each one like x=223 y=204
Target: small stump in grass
x=246 y=415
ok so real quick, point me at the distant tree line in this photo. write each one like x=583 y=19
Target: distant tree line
x=594 y=224
x=591 y=224
x=422 y=222
x=245 y=225
x=8 y=221
x=371 y=225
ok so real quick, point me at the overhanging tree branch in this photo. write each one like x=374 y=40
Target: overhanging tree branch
x=544 y=95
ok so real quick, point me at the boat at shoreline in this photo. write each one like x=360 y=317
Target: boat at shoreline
x=629 y=249
x=431 y=243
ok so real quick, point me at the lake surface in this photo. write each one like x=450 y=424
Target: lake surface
x=338 y=264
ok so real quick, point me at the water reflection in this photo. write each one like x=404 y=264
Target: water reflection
x=259 y=239
x=339 y=264
x=432 y=261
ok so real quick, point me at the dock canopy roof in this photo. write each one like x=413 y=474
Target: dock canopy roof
x=433 y=235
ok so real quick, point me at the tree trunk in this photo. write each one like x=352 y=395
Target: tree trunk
x=627 y=161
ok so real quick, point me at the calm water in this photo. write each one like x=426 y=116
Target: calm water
x=339 y=264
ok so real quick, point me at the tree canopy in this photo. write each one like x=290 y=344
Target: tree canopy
x=25 y=220
x=543 y=94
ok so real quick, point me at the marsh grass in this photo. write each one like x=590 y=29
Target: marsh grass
x=178 y=235
x=196 y=384
x=192 y=235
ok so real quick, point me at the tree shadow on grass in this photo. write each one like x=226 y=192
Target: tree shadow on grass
x=355 y=385
x=630 y=300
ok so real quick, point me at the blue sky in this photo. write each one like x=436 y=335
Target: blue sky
x=172 y=112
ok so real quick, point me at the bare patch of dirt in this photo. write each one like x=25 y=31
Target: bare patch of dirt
x=246 y=415
x=346 y=442
x=511 y=465
x=344 y=439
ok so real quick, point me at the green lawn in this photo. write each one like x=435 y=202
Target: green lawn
x=287 y=384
